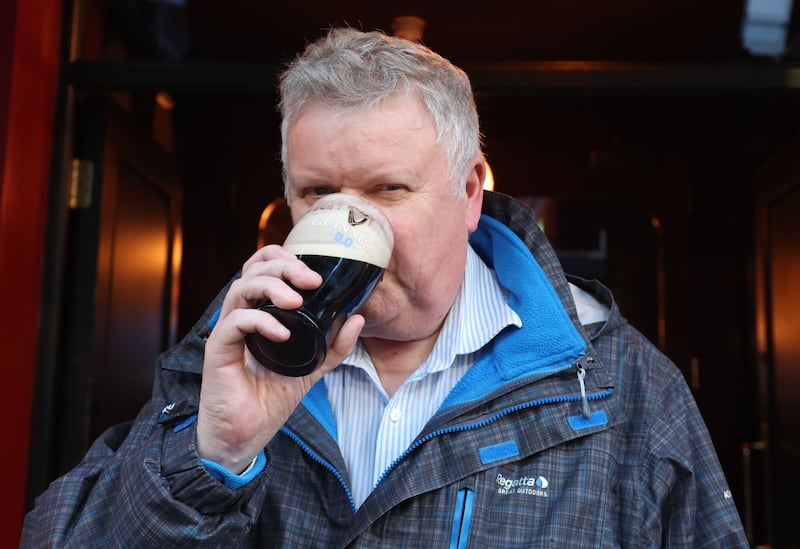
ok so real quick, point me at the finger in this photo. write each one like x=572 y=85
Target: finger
x=267 y=253
x=342 y=345
x=225 y=344
x=277 y=287
x=288 y=268
x=276 y=261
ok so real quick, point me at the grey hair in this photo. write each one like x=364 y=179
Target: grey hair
x=354 y=71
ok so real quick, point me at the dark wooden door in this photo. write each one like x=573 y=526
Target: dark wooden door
x=120 y=284
x=778 y=340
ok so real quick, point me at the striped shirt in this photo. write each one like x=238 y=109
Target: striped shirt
x=374 y=429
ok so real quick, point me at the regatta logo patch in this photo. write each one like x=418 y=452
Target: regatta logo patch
x=525 y=486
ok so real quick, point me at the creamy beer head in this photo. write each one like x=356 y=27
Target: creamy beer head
x=342 y=225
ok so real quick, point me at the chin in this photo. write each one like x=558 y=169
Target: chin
x=379 y=305
x=379 y=322
x=386 y=313
x=372 y=318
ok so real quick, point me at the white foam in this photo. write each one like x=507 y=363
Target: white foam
x=326 y=229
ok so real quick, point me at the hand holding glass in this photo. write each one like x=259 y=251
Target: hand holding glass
x=348 y=241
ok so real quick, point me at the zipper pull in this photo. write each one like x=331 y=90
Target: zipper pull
x=582 y=361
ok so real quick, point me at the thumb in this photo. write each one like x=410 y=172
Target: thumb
x=342 y=345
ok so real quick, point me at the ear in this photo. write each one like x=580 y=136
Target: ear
x=474 y=188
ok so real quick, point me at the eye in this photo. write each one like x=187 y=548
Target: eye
x=389 y=190
x=318 y=191
x=392 y=192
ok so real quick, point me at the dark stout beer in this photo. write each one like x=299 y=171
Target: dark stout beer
x=348 y=242
x=347 y=284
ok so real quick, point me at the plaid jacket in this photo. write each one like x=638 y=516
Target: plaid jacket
x=519 y=455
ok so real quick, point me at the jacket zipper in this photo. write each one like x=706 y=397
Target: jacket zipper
x=462 y=518
x=316 y=457
x=584 y=399
x=583 y=361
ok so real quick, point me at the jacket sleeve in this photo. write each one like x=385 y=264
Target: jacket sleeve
x=143 y=485
x=685 y=500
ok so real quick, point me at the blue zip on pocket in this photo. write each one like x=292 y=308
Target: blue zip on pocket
x=462 y=517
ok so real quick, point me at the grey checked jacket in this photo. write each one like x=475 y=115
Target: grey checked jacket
x=518 y=456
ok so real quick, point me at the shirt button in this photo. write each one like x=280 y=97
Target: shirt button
x=395 y=415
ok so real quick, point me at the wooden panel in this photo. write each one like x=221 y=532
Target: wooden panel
x=121 y=279
x=133 y=288
x=776 y=368
x=784 y=341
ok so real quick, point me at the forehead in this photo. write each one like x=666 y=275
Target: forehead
x=409 y=101
x=391 y=124
x=393 y=143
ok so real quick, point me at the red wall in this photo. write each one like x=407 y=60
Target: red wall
x=8 y=16
x=30 y=34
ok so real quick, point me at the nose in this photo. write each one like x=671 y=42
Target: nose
x=352 y=191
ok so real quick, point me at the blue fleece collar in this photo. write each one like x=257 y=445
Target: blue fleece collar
x=547 y=340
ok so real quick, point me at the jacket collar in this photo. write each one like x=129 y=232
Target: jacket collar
x=550 y=338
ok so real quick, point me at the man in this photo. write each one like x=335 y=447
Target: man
x=470 y=402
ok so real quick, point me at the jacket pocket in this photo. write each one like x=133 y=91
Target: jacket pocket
x=462 y=518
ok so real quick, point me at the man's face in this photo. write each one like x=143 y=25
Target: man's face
x=389 y=156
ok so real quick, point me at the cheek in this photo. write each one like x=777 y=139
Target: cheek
x=423 y=245
x=427 y=260
x=297 y=209
x=410 y=242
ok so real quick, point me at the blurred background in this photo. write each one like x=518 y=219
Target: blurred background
x=656 y=141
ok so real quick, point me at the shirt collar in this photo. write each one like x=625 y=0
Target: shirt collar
x=480 y=312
